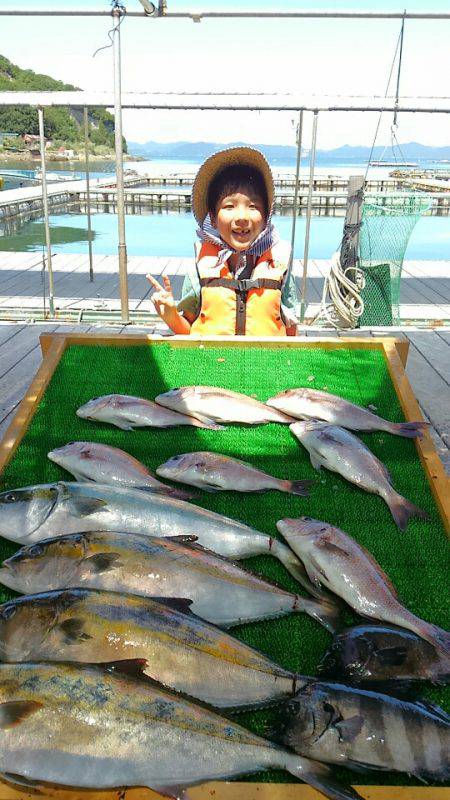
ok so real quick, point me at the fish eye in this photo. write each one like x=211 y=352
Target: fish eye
x=328 y=708
x=8 y=612
x=10 y=497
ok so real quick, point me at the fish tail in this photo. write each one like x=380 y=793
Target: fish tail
x=402 y=509
x=298 y=487
x=410 y=430
x=295 y=567
x=319 y=776
x=438 y=637
x=324 y=611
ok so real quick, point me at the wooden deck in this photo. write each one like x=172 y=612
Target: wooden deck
x=428 y=367
x=425 y=285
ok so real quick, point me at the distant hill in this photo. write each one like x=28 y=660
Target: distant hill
x=285 y=154
x=60 y=123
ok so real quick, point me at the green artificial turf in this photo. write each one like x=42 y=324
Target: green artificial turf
x=415 y=561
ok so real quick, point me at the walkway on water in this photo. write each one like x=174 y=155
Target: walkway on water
x=428 y=367
x=424 y=297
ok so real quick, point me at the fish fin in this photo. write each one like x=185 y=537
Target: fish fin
x=168 y=491
x=103 y=562
x=332 y=547
x=182 y=604
x=128 y=666
x=300 y=487
x=409 y=430
x=321 y=778
x=16 y=711
x=295 y=567
x=402 y=509
x=349 y=728
x=324 y=611
x=83 y=506
x=73 y=631
x=124 y=426
x=362 y=766
x=20 y=780
x=316 y=460
x=315 y=572
x=325 y=544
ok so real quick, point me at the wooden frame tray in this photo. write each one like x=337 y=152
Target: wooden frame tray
x=395 y=353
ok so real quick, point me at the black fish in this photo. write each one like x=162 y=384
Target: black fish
x=365 y=730
x=380 y=653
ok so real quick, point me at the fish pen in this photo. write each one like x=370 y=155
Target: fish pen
x=77 y=368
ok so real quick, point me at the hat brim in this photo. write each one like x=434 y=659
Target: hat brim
x=233 y=156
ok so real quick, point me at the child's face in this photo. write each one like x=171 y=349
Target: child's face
x=239 y=219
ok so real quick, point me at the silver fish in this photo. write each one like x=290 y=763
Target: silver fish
x=100 y=463
x=213 y=471
x=127 y=412
x=306 y=403
x=340 y=451
x=377 y=654
x=207 y=403
x=366 y=730
x=88 y=728
x=343 y=566
x=179 y=650
x=39 y=512
x=221 y=592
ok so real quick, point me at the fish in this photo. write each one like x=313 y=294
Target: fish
x=213 y=471
x=207 y=403
x=366 y=730
x=38 y=512
x=171 y=644
x=100 y=463
x=220 y=591
x=307 y=403
x=340 y=451
x=88 y=728
x=127 y=413
x=336 y=561
x=379 y=654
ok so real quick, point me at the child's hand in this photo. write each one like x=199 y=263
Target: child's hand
x=162 y=299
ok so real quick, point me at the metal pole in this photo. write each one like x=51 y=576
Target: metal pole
x=397 y=89
x=117 y=14
x=297 y=176
x=46 y=222
x=88 y=196
x=308 y=214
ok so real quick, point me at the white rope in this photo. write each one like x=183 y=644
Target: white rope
x=341 y=303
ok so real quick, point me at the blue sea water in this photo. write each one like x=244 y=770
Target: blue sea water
x=173 y=234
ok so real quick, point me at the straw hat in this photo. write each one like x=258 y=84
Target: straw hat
x=233 y=156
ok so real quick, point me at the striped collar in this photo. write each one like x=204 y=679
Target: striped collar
x=266 y=239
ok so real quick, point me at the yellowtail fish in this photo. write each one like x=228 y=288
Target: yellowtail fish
x=335 y=560
x=306 y=403
x=100 y=463
x=221 y=592
x=171 y=644
x=213 y=471
x=207 y=403
x=38 y=512
x=87 y=728
x=128 y=412
x=340 y=451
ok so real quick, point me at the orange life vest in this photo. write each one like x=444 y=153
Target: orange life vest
x=247 y=305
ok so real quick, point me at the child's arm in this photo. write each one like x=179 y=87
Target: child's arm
x=166 y=306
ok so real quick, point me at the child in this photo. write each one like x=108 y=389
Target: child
x=241 y=282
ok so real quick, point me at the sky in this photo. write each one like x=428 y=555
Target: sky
x=315 y=56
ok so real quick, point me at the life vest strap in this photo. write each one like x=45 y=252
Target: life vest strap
x=242 y=288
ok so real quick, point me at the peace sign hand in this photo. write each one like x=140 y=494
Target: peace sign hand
x=162 y=299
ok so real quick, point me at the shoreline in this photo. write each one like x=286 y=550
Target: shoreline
x=51 y=158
